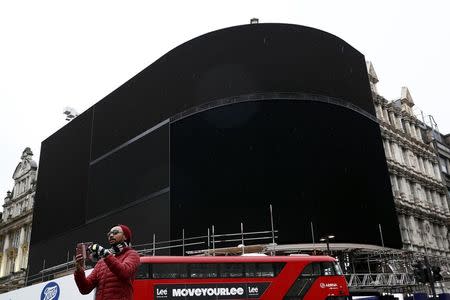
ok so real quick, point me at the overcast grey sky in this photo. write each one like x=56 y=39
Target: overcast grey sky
x=73 y=53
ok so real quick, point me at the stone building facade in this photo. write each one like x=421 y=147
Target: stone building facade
x=419 y=192
x=442 y=145
x=15 y=224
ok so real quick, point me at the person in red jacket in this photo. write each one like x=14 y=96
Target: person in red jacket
x=114 y=273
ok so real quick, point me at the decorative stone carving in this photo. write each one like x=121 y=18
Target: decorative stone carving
x=11 y=252
x=26 y=164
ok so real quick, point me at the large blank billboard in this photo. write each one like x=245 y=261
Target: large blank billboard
x=229 y=122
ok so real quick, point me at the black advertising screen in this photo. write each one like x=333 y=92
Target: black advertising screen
x=314 y=162
x=241 y=60
x=241 y=290
x=132 y=173
x=210 y=129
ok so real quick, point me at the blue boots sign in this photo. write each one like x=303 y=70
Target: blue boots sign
x=50 y=291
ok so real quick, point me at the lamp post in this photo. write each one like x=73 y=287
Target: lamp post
x=327 y=239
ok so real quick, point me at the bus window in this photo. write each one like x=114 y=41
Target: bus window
x=338 y=269
x=317 y=278
x=203 y=270
x=310 y=270
x=231 y=270
x=169 y=271
x=308 y=275
x=263 y=269
x=304 y=282
x=277 y=267
x=143 y=271
x=328 y=268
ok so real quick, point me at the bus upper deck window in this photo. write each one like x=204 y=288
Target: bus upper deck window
x=313 y=269
x=328 y=268
x=169 y=271
x=231 y=270
x=259 y=270
x=337 y=268
x=203 y=270
x=143 y=271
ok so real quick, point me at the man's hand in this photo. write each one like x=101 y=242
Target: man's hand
x=98 y=251
x=79 y=262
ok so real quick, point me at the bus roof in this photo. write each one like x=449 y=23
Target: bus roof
x=232 y=259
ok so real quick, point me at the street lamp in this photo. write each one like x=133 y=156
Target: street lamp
x=327 y=240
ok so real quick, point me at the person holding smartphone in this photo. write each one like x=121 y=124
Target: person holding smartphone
x=115 y=270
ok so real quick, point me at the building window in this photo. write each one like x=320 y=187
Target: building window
x=404 y=126
x=396 y=152
x=429 y=198
x=394 y=184
x=379 y=112
x=12 y=264
x=443 y=163
x=24 y=260
x=15 y=239
x=428 y=167
x=391 y=119
x=27 y=233
x=412 y=189
x=437 y=173
x=420 y=164
x=386 y=116
x=404 y=156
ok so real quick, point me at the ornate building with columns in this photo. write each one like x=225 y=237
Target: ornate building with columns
x=15 y=224
x=442 y=145
x=418 y=188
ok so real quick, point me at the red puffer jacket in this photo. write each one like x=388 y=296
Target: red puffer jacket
x=112 y=276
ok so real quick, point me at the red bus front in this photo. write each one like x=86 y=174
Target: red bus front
x=240 y=277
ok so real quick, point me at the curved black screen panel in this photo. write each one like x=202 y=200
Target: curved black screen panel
x=134 y=173
x=178 y=132
x=234 y=61
x=313 y=161
x=63 y=179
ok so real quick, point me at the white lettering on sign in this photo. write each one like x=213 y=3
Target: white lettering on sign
x=50 y=292
x=328 y=285
x=161 y=292
x=208 y=292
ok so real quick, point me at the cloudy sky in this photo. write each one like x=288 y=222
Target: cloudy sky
x=55 y=54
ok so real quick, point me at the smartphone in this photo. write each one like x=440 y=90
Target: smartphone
x=82 y=249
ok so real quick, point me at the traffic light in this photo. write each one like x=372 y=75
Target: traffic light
x=436 y=271
x=421 y=272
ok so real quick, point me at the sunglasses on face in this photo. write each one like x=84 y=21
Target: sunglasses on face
x=113 y=232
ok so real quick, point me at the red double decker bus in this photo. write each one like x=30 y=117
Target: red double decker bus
x=240 y=277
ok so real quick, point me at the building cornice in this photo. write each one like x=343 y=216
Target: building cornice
x=19 y=197
x=411 y=174
x=391 y=133
x=421 y=212
x=17 y=222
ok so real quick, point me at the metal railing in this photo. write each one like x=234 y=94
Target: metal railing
x=381 y=280
x=197 y=245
